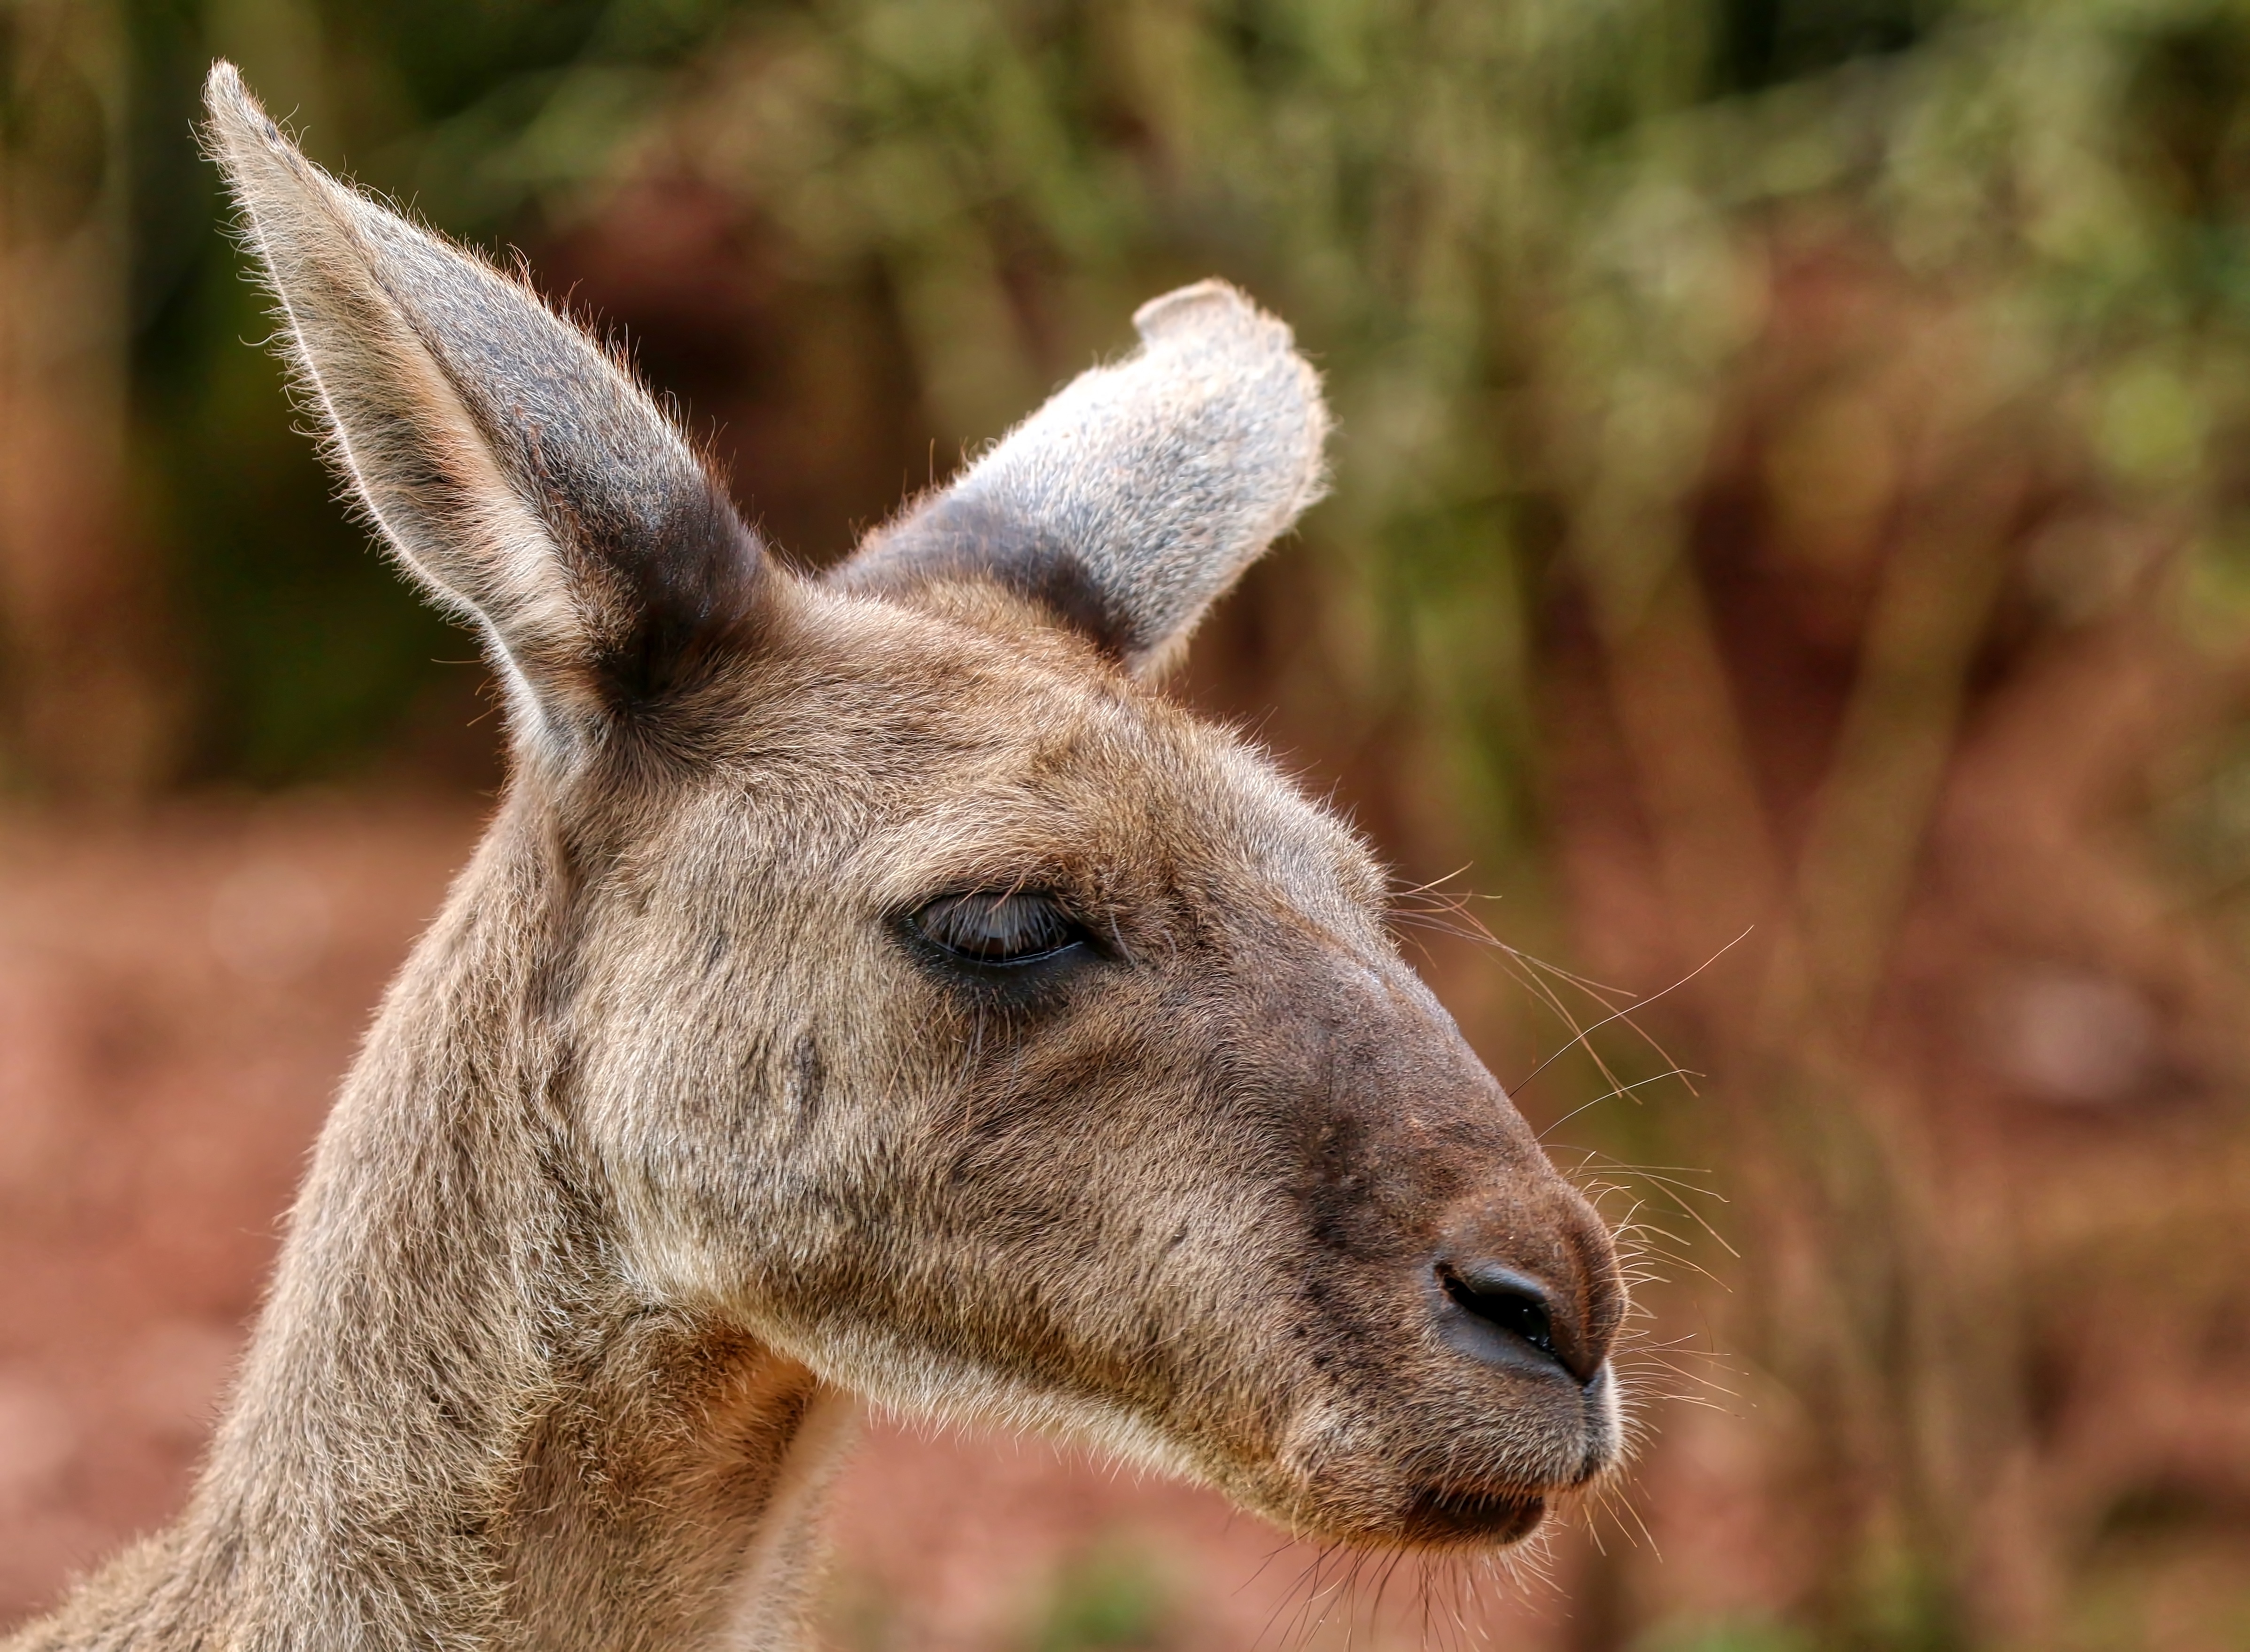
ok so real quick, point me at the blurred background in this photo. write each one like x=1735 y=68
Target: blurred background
x=1787 y=586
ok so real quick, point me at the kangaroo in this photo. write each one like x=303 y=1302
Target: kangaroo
x=869 y=989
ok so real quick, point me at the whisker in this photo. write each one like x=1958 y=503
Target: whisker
x=1622 y=1089
x=1621 y=1015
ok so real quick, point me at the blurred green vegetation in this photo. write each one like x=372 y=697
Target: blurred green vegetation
x=1112 y=1599
x=1011 y=175
x=1726 y=1637
x=1469 y=212
x=1463 y=209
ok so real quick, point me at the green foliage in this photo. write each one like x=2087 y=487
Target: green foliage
x=1512 y=235
x=1111 y=1599
x=1730 y=1635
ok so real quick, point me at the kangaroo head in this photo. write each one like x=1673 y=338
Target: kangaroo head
x=926 y=994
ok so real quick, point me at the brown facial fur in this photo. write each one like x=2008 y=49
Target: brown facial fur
x=680 y=1130
x=1188 y=1192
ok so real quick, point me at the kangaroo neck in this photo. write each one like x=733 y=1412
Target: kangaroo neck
x=460 y=1423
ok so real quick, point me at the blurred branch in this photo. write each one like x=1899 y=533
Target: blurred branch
x=85 y=712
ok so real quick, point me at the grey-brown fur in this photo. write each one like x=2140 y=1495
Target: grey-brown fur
x=679 y=1135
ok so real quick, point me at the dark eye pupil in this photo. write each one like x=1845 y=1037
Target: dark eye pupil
x=997 y=928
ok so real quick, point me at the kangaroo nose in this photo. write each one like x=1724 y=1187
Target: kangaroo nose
x=1557 y=1315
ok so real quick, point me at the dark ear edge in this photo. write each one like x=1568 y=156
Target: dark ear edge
x=957 y=538
x=699 y=591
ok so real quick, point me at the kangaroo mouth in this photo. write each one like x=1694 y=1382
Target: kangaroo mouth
x=1473 y=1514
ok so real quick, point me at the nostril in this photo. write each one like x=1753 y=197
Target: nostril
x=1506 y=1314
x=1506 y=1302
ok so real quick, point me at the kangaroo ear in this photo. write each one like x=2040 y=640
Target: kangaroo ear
x=1140 y=491
x=523 y=478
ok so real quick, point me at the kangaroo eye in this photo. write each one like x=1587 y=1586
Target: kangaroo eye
x=985 y=928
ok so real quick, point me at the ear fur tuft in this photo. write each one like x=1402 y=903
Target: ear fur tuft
x=1140 y=491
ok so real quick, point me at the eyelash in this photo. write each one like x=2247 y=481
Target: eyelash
x=998 y=930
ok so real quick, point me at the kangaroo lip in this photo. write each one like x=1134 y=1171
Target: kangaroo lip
x=1476 y=1513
